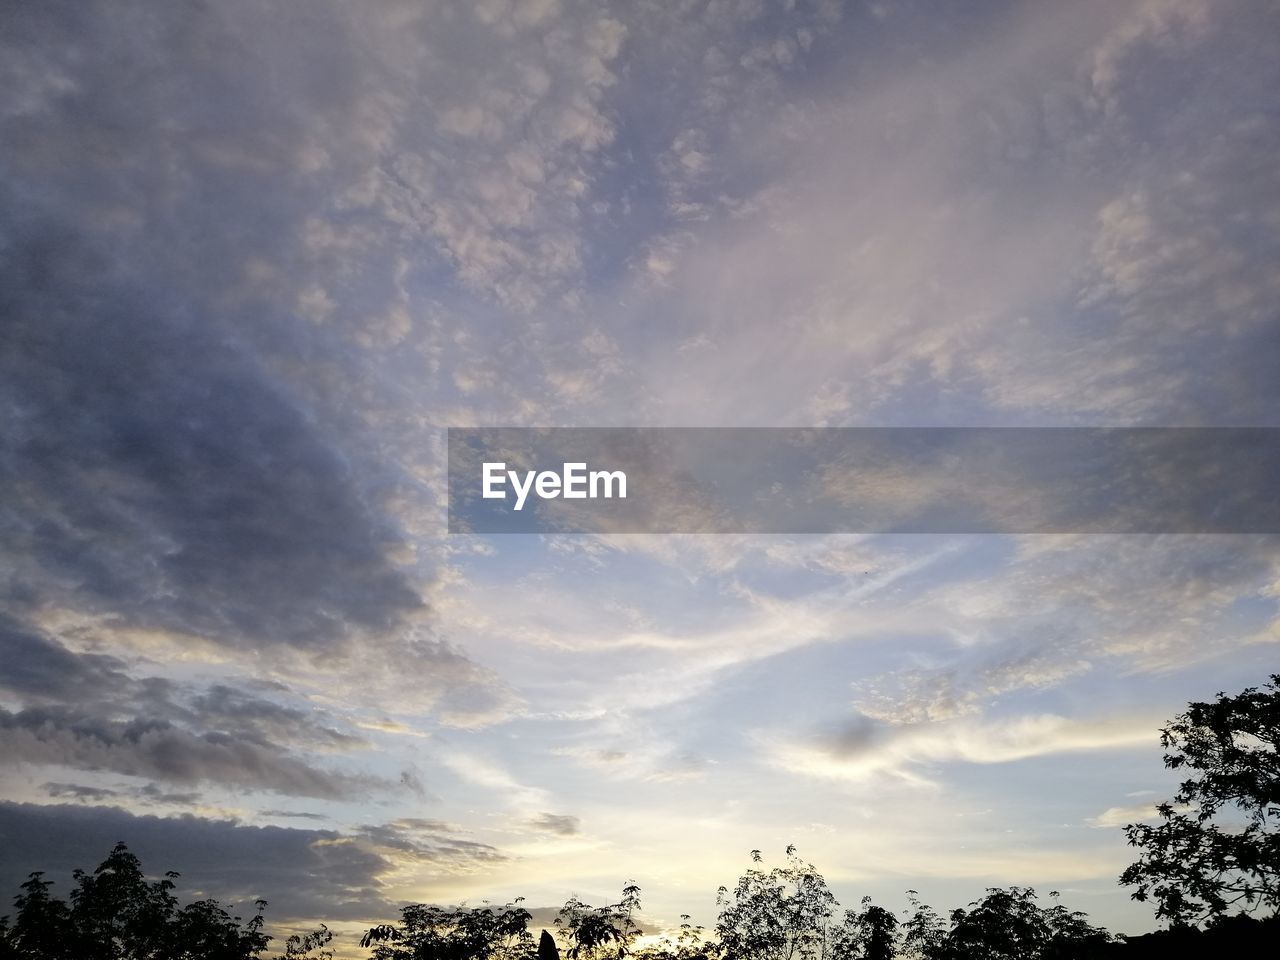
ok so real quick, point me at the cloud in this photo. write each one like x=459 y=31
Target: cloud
x=122 y=796
x=249 y=278
x=78 y=791
x=159 y=750
x=294 y=814
x=1121 y=816
x=39 y=667
x=559 y=824
x=492 y=182
x=864 y=750
x=189 y=455
x=264 y=721
x=1148 y=603
x=855 y=283
x=1060 y=608
x=481 y=771
x=305 y=874
x=412 y=842
x=175 y=487
x=82 y=711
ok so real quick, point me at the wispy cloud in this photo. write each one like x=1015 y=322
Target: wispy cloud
x=864 y=750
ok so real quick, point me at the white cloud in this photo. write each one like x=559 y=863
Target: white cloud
x=910 y=751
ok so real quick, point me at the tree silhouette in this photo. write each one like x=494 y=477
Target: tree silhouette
x=1071 y=934
x=595 y=932
x=454 y=933
x=1216 y=847
x=779 y=915
x=43 y=924
x=1009 y=924
x=866 y=934
x=115 y=913
x=923 y=932
x=688 y=945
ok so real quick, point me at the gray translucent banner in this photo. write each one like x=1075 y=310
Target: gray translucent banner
x=864 y=480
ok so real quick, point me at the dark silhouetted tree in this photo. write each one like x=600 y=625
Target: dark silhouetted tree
x=116 y=913
x=42 y=926
x=687 y=945
x=596 y=932
x=1006 y=924
x=923 y=932
x=866 y=934
x=1003 y=925
x=1070 y=933
x=779 y=915
x=454 y=933
x=313 y=944
x=1216 y=848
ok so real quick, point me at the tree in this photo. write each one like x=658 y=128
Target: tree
x=779 y=915
x=547 y=949
x=42 y=923
x=688 y=945
x=866 y=934
x=1216 y=849
x=593 y=932
x=1006 y=924
x=1003 y=925
x=923 y=932
x=116 y=913
x=454 y=933
x=311 y=944
x=1071 y=934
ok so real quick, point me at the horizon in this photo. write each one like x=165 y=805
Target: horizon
x=258 y=259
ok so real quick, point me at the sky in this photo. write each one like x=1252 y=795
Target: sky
x=256 y=258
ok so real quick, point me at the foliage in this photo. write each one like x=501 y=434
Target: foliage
x=1003 y=924
x=1011 y=925
x=454 y=933
x=1070 y=933
x=866 y=934
x=1216 y=847
x=779 y=915
x=688 y=945
x=311 y=944
x=115 y=913
x=923 y=932
x=592 y=932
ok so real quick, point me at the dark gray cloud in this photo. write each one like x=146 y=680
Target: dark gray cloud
x=77 y=791
x=183 y=447
x=151 y=794
x=188 y=446
x=294 y=814
x=265 y=721
x=148 y=795
x=158 y=466
x=36 y=666
x=160 y=750
x=156 y=474
x=81 y=711
x=302 y=873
